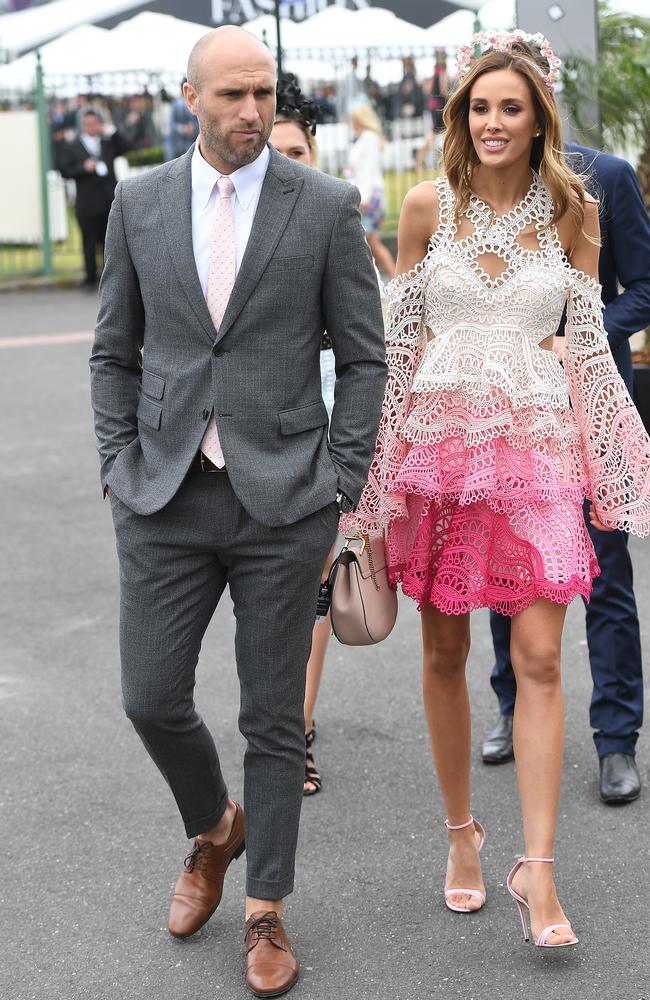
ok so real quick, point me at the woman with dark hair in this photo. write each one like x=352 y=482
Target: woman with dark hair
x=489 y=445
x=294 y=135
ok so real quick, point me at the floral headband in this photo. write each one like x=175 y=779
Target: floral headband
x=507 y=42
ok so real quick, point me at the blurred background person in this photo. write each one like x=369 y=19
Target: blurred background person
x=364 y=169
x=438 y=94
x=410 y=96
x=88 y=159
x=439 y=90
x=57 y=125
x=377 y=99
x=325 y=99
x=183 y=128
x=350 y=90
x=140 y=129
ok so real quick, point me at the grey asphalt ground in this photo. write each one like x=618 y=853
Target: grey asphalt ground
x=91 y=839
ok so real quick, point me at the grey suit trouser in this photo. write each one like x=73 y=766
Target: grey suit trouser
x=174 y=566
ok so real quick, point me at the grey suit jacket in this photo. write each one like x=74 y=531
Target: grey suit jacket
x=159 y=367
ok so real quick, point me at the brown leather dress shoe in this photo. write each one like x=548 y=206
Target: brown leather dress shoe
x=271 y=966
x=197 y=892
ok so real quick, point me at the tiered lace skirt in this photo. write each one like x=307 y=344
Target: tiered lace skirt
x=491 y=502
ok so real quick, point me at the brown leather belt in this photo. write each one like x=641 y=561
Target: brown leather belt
x=201 y=463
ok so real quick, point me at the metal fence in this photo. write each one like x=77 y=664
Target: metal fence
x=396 y=87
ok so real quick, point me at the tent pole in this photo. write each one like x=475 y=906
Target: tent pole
x=44 y=142
x=278 y=36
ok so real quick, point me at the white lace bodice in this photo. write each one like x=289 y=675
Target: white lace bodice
x=486 y=331
x=469 y=342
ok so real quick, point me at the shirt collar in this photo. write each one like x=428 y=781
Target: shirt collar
x=247 y=180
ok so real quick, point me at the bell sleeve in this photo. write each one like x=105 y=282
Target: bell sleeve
x=615 y=443
x=405 y=345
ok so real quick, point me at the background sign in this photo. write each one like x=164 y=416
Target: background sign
x=420 y=12
x=570 y=26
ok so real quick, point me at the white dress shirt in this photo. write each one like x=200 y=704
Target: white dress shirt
x=248 y=182
x=93 y=144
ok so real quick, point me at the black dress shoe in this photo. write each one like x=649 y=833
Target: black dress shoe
x=497 y=748
x=619 y=778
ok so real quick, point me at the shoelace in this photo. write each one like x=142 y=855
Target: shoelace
x=197 y=858
x=264 y=927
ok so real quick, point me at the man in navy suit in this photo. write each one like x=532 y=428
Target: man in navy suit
x=613 y=636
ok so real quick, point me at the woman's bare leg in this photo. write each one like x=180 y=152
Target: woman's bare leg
x=538 y=738
x=382 y=255
x=319 y=642
x=446 y=642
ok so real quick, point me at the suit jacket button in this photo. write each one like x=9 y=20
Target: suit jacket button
x=218 y=352
x=206 y=414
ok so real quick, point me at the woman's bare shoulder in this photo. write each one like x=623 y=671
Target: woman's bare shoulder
x=568 y=230
x=420 y=208
x=418 y=220
x=422 y=198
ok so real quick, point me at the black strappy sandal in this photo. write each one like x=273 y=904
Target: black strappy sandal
x=311 y=774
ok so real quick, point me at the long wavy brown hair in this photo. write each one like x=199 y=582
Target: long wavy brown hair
x=547 y=153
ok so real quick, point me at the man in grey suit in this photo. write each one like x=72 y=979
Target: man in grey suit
x=214 y=450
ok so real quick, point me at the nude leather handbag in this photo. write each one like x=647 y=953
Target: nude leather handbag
x=364 y=606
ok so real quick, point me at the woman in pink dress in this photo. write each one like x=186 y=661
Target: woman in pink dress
x=490 y=442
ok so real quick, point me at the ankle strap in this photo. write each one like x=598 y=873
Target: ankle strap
x=462 y=825
x=546 y=860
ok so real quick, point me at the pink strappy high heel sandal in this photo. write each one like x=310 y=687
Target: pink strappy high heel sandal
x=541 y=941
x=468 y=892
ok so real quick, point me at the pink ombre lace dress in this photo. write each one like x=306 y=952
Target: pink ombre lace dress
x=487 y=446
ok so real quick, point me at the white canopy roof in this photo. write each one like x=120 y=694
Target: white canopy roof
x=77 y=51
x=452 y=30
x=264 y=28
x=379 y=28
x=457 y=28
x=341 y=29
x=154 y=42
x=147 y=43
x=25 y=29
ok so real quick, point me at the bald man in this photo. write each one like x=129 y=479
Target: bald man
x=223 y=269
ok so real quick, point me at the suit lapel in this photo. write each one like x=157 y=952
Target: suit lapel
x=175 y=194
x=279 y=193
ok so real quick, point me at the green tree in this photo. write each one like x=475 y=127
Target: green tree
x=621 y=80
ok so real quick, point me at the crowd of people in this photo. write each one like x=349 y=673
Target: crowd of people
x=95 y=127
x=89 y=131
x=248 y=405
x=408 y=98
x=153 y=120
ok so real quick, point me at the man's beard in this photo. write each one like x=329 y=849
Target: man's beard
x=215 y=141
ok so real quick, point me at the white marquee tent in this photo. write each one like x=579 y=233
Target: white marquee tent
x=24 y=29
x=159 y=44
x=79 y=50
x=263 y=27
x=153 y=43
x=340 y=28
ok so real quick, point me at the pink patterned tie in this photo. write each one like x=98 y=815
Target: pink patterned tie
x=221 y=278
